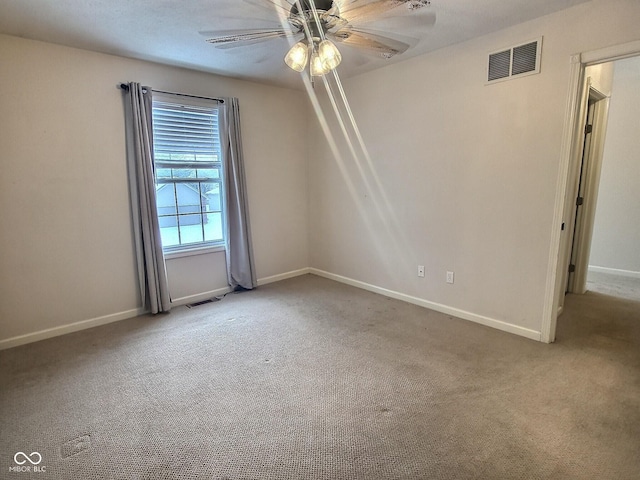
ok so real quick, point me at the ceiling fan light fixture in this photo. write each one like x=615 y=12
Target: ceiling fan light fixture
x=317 y=67
x=297 y=57
x=329 y=55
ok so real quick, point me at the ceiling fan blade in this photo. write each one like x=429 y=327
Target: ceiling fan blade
x=365 y=11
x=247 y=43
x=380 y=45
x=227 y=38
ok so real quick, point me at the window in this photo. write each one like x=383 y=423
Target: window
x=189 y=176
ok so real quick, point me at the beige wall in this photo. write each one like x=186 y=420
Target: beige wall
x=66 y=251
x=461 y=176
x=616 y=234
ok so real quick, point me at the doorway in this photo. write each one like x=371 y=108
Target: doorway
x=614 y=262
x=588 y=181
x=570 y=162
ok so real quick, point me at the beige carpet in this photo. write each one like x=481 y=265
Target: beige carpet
x=614 y=285
x=311 y=379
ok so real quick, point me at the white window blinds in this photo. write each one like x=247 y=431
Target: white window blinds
x=188 y=163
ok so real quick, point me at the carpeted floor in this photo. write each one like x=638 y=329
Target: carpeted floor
x=614 y=285
x=311 y=379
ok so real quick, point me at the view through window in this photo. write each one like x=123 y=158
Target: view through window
x=189 y=177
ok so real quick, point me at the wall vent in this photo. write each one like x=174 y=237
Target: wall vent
x=516 y=61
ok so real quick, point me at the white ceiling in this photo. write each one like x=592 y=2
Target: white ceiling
x=167 y=31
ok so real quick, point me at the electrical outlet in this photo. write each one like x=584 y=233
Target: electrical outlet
x=449 y=277
x=421 y=270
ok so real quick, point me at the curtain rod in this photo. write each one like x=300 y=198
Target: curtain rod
x=125 y=87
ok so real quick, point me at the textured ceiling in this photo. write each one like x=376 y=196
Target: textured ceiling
x=167 y=31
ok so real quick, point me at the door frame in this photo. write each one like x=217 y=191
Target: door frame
x=588 y=180
x=571 y=154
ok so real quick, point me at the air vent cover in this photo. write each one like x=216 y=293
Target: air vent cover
x=517 y=61
x=499 y=65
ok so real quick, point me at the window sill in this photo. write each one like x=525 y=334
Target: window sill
x=194 y=251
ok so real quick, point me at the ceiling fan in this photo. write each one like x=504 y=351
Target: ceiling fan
x=320 y=24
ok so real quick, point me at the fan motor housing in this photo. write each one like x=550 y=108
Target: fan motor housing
x=305 y=18
x=306 y=6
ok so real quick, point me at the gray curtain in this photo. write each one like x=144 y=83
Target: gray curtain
x=152 y=273
x=240 y=266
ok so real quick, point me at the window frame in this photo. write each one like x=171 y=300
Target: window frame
x=200 y=247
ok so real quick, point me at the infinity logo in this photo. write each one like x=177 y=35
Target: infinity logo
x=28 y=458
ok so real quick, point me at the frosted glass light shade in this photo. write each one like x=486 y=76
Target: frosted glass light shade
x=317 y=67
x=329 y=54
x=297 y=57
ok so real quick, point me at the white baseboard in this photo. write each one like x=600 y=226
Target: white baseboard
x=473 y=317
x=116 y=317
x=283 y=276
x=199 y=297
x=95 y=322
x=221 y=291
x=68 y=328
x=614 y=271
